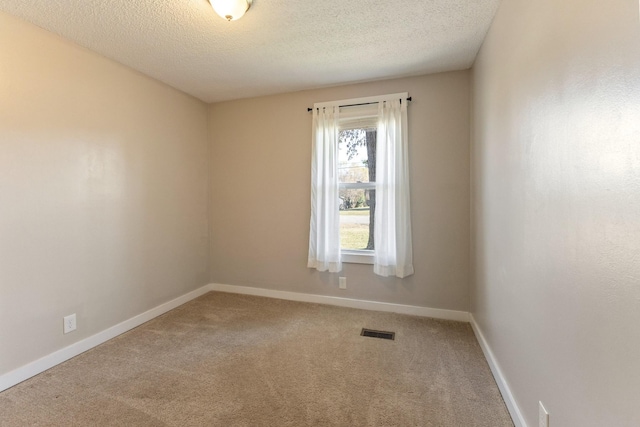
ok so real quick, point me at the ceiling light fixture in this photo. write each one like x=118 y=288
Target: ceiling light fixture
x=231 y=9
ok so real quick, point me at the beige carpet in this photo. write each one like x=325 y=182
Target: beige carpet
x=233 y=360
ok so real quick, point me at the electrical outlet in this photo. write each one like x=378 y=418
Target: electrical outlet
x=69 y=323
x=543 y=416
x=342 y=282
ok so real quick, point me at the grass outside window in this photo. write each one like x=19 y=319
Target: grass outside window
x=354 y=236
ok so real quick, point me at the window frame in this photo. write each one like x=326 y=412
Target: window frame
x=366 y=120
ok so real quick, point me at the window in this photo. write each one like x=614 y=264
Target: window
x=360 y=186
x=357 y=187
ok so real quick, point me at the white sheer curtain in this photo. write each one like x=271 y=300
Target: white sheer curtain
x=393 y=254
x=324 y=235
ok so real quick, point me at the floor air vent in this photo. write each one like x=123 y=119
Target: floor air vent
x=378 y=334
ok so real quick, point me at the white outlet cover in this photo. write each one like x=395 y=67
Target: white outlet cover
x=342 y=282
x=69 y=323
x=543 y=416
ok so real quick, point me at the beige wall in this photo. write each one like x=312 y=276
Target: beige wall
x=556 y=173
x=261 y=160
x=103 y=192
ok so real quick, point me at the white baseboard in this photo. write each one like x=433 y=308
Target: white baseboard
x=437 y=313
x=509 y=400
x=29 y=370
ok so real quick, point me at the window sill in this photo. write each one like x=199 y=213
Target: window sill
x=357 y=257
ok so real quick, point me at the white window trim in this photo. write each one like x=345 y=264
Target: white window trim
x=357 y=185
x=354 y=256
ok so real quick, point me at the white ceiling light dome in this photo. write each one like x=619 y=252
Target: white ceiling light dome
x=231 y=10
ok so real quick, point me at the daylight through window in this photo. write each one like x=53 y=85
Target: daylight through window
x=357 y=177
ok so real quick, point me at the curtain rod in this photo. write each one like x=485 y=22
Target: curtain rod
x=355 y=105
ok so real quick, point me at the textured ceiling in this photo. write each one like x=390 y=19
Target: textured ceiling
x=278 y=46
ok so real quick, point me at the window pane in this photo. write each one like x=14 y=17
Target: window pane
x=357 y=155
x=357 y=211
